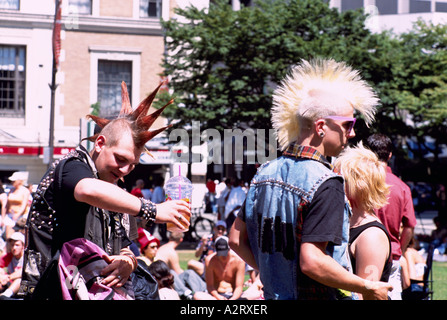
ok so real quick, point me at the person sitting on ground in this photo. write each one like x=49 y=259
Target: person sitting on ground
x=168 y=252
x=206 y=247
x=10 y=279
x=188 y=284
x=225 y=272
x=415 y=261
x=413 y=269
x=165 y=279
x=439 y=236
x=148 y=247
x=254 y=291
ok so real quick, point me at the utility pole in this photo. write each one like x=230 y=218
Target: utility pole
x=53 y=86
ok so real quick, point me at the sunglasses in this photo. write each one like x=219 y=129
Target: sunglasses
x=351 y=121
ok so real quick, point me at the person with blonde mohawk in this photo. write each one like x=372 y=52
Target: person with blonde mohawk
x=294 y=225
x=79 y=197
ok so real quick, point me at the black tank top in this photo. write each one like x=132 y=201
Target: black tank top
x=355 y=232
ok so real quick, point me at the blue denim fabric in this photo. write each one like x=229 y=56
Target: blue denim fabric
x=276 y=193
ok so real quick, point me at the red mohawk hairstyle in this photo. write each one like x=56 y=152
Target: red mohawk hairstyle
x=139 y=121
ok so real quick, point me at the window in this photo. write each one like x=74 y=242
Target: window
x=9 y=4
x=417 y=6
x=12 y=81
x=387 y=6
x=441 y=7
x=80 y=6
x=110 y=76
x=150 y=8
x=351 y=5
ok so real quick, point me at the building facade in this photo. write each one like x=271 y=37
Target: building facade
x=103 y=42
x=396 y=15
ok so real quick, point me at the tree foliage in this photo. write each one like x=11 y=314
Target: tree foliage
x=223 y=65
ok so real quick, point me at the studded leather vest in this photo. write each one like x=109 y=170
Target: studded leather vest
x=41 y=249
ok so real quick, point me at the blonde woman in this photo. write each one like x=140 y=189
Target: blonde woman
x=366 y=189
x=18 y=196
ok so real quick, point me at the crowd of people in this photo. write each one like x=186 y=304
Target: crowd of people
x=324 y=221
x=15 y=205
x=216 y=273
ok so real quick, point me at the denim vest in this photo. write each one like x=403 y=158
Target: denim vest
x=280 y=190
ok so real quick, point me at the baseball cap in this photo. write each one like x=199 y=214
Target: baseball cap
x=19 y=175
x=221 y=223
x=17 y=236
x=222 y=246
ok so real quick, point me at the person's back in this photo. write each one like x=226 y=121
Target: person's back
x=399 y=211
x=161 y=272
x=398 y=215
x=168 y=252
x=276 y=194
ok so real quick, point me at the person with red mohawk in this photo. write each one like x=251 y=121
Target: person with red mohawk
x=79 y=197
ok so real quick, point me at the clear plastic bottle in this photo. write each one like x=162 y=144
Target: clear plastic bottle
x=178 y=188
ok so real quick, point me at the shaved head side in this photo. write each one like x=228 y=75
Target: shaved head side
x=114 y=130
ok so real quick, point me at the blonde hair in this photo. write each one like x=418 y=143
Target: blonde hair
x=365 y=177
x=317 y=89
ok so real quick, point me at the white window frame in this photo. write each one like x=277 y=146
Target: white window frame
x=115 y=54
x=164 y=10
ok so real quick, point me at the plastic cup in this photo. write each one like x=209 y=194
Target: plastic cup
x=178 y=188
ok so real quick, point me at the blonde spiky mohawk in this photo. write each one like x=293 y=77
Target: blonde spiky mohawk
x=141 y=122
x=299 y=91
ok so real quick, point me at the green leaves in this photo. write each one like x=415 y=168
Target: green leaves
x=227 y=63
x=224 y=64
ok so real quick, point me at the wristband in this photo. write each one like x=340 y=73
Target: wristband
x=148 y=211
x=132 y=257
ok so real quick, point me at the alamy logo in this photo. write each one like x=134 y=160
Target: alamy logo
x=233 y=146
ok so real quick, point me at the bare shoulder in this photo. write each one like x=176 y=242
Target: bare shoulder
x=373 y=239
x=374 y=233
